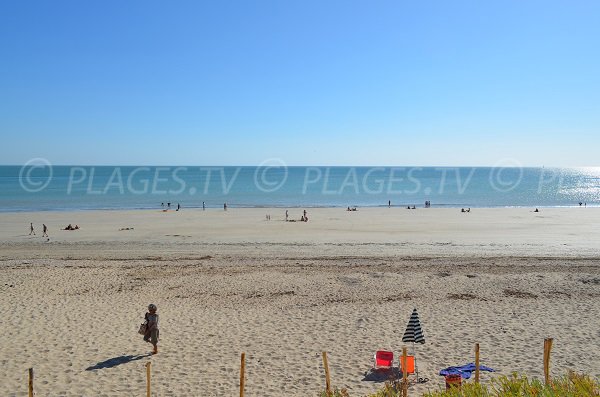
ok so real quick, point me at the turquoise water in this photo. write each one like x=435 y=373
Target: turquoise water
x=63 y=188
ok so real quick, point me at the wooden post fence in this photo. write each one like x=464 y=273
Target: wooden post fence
x=404 y=373
x=476 y=362
x=30 y=383
x=547 y=349
x=242 y=374
x=148 y=366
x=327 y=379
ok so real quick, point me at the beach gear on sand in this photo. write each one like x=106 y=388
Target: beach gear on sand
x=414 y=334
x=410 y=365
x=383 y=367
x=383 y=360
x=464 y=371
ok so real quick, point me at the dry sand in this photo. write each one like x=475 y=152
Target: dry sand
x=345 y=282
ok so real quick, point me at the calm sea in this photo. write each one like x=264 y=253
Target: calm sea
x=41 y=187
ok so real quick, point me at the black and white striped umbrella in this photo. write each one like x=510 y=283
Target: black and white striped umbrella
x=413 y=332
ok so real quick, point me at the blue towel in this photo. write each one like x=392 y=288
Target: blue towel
x=464 y=371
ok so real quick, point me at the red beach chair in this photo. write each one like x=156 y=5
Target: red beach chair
x=383 y=360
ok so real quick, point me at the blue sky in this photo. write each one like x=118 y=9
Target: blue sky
x=309 y=82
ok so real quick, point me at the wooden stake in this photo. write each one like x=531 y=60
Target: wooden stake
x=148 y=366
x=476 y=362
x=547 y=349
x=30 y=386
x=242 y=375
x=404 y=373
x=327 y=379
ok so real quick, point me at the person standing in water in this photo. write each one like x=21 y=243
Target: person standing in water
x=152 y=332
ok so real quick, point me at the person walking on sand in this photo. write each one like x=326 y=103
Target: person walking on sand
x=152 y=332
x=286 y=215
x=31 y=231
x=44 y=230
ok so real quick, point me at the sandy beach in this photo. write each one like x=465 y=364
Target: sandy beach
x=283 y=292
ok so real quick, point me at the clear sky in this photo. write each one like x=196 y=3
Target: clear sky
x=310 y=82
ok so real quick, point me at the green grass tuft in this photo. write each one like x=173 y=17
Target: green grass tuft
x=570 y=385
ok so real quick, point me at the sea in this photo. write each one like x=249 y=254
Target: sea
x=40 y=186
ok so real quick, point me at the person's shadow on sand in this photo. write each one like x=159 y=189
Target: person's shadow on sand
x=113 y=362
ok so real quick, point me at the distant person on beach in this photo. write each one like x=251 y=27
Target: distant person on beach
x=203 y=206
x=31 y=231
x=44 y=230
x=389 y=203
x=536 y=210
x=286 y=215
x=224 y=206
x=152 y=332
x=178 y=206
x=305 y=213
x=162 y=205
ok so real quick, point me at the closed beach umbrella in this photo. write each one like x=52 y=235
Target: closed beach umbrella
x=414 y=334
